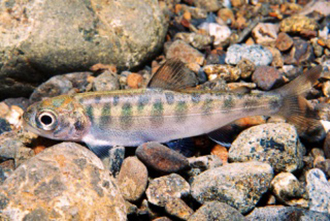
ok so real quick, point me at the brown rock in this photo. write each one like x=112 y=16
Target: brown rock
x=134 y=80
x=265 y=33
x=161 y=158
x=221 y=152
x=227 y=16
x=283 y=41
x=297 y=23
x=187 y=54
x=302 y=51
x=278 y=60
x=132 y=179
x=267 y=77
x=178 y=208
x=326 y=146
x=237 y=3
x=325 y=167
x=247 y=67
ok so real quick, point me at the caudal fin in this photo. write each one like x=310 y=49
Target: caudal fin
x=296 y=109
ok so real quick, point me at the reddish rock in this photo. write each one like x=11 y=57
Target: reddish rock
x=283 y=41
x=267 y=77
x=187 y=54
x=134 y=80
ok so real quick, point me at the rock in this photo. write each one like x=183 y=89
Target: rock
x=325 y=167
x=53 y=37
x=7 y=167
x=178 y=208
x=61 y=84
x=221 y=152
x=215 y=210
x=267 y=77
x=114 y=160
x=4 y=126
x=131 y=209
x=237 y=3
x=161 y=158
x=317 y=48
x=62 y=183
x=320 y=6
x=286 y=188
x=198 y=41
x=187 y=54
x=278 y=60
x=220 y=33
x=227 y=16
x=196 y=12
x=107 y=81
x=291 y=72
x=255 y=53
x=278 y=213
x=326 y=88
x=135 y=80
x=265 y=33
x=210 y=6
x=302 y=51
x=239 y=185
x=247 y=68
x=132 y=179
x=162 y=189
x=283 y=42
x=318 y=189
x=277 y=144
x=298 y=23
x=222 y=71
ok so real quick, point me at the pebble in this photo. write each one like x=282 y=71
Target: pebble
x=278 y=213
x=247 y=67
x=283 y=42
x=107 y=81
x=162 y=189
x=221 y=152
x=298 y=23
x=302 y=51
x=132 y=179
x=278 y=60
x=41 y=189
x=7 y=167
x=318 y=189
x=326 y=88
x=277 y=144
x=220 y=33
x=199 y=41
x=267 y=77
x=135 y=80
x=286 y=187
x=183 y=51
x=227 y=16
x=222 y=71
x=255 y=53
x=196 y=12
x=114 y=160
x=161 y=158
x=178 y=208
x=4 y=126
x=216 y=210
x=239 y=185
x=320 y=6
x=265 y=33
x=324 y=166
x=209 y=6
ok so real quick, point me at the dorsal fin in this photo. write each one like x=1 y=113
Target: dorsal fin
x=173 y=75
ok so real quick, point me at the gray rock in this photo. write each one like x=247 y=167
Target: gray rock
x=240 y=185
x=161 y=189
x=198 y=41
x=183 y=51
x=178 y=208
x=40 y=39
x=208 y=5
x=107 y=81
x=287 y=189
x=4 y=126
x=216 y=211
x=114 y=160
x=318 y=189
x=279 y=213
x=277 y=144
x=132 y=179
x=62 y=183
x=255 y=53
x=6 y=169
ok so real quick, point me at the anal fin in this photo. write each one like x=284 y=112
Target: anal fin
x=101 y=151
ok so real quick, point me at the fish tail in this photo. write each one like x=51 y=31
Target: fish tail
x=296 y=109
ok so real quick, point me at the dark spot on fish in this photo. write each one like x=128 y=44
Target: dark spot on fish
x=97 y=99
x=274 y=103
x=250 y=104
x=104 y=122
x=90 y=113
x=143 y=101
x=195 y=98
x=169 y=98
x=228 y=102
x=106 y=110
x=157 y=113
x=207 y=106
x=57 y=102
x=126 y=119
x=78 y=125
x=115 y=100
x=181 y=111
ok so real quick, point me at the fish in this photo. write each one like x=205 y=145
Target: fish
x=169 y=108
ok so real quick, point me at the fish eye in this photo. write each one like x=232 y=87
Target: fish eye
x=47 y=120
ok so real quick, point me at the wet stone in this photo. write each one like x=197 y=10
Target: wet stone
x=265 y=33
x=44 y=186
x=183 y=51
x=178 y=208
x=298 y=23
x=239 y=185
x=255 y=53
x=114 y=160
x=318 y=189
x=162 y=189
x=107 y=81
x=277 y=144
x=267 y=77
x=216 y=210
x=161 y=158
x=283 y=42
x=132 y=179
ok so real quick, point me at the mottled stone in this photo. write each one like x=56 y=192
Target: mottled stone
x=161 y=158
x=4 y=126
x=267 y=77
x=320 y=6
x=107 y=81
x=183 y=51
x=135 y=80
x=199 y=41
x=287 y=188
x=324 y=166
x=239 y=185
x=277 y=144
x=297 y=23
x=279 y=213
x=302 y=51
x=7 y=167
x=162 y=189
x=132 y=179
x=62 y=182
x=114 y=160
x=278 y=60
x=215 y=210
x=247 y=67
x=318 y=189
x=210 y=5
x=220 y=33
x=283 y=41
x=222 y=71
x=178 y=208
x=265 y=33
x=255 y=53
